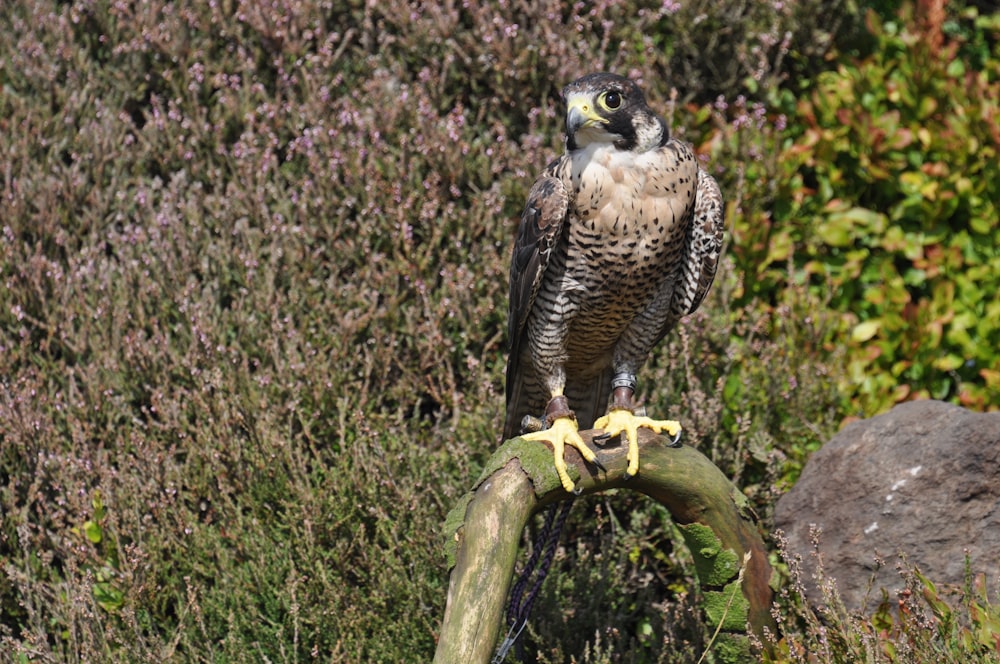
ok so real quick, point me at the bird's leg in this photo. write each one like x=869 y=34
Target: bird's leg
x=562 y=431
x=621 y=417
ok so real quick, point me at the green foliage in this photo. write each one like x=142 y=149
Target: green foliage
x=106 y=594
x=978 y=632
x=886 y=205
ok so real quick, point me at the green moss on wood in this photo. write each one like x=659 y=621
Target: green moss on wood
x=728 y=607
x=733 y=649
x=715 y=565
x=537 y=461
x=743 y=504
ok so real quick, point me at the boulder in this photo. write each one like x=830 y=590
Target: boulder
x=922 y=480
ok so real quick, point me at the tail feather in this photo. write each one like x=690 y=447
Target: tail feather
x=591 y=401
x=517 y=407
x=587 y=402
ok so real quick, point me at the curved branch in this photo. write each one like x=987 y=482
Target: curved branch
x=484 y=530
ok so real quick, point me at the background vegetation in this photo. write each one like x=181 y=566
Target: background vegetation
x=254 y=262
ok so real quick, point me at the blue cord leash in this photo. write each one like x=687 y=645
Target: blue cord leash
x=518 y=611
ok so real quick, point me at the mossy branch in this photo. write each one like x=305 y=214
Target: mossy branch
x=484 y=529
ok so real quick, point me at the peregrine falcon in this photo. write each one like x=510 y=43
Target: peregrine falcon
x=619 y=239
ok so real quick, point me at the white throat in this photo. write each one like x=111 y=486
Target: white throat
x=607 y=156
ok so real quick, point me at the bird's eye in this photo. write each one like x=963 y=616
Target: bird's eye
x=611 y=100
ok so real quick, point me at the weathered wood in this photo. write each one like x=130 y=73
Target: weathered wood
x=715 y=518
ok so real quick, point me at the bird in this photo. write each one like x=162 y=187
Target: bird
x=619 y=239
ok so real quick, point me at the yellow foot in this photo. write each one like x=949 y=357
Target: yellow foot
x=563 y=432
x=617 y=421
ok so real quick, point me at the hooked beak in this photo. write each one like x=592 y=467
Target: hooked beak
x=580 y=113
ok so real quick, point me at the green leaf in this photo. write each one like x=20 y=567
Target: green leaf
x=93 y=531
x=914 y=277
x=108 y=597
x=733 y=387
x=780 y=248
x=840 y=228
x=835 y=232
x=982 y=225
x=948 y=362
x=866 y=330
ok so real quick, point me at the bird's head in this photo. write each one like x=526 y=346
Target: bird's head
x=611 y=109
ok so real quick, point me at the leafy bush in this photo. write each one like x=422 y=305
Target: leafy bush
x=886 y=205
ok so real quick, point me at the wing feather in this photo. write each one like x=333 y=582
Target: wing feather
x=703 y=246
x=541 y=228
x=707 y=230
x=702 y=249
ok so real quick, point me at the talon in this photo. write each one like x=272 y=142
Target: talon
x=623 y=420
x=601 y=438
x=561 y=433
x=627 y=475
x=597 y=462
x=676 y=442
x=577 y=490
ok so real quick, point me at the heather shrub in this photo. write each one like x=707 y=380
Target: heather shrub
x=916 y=625
x=731 y=49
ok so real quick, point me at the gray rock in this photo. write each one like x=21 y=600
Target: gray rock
x=922 y=480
